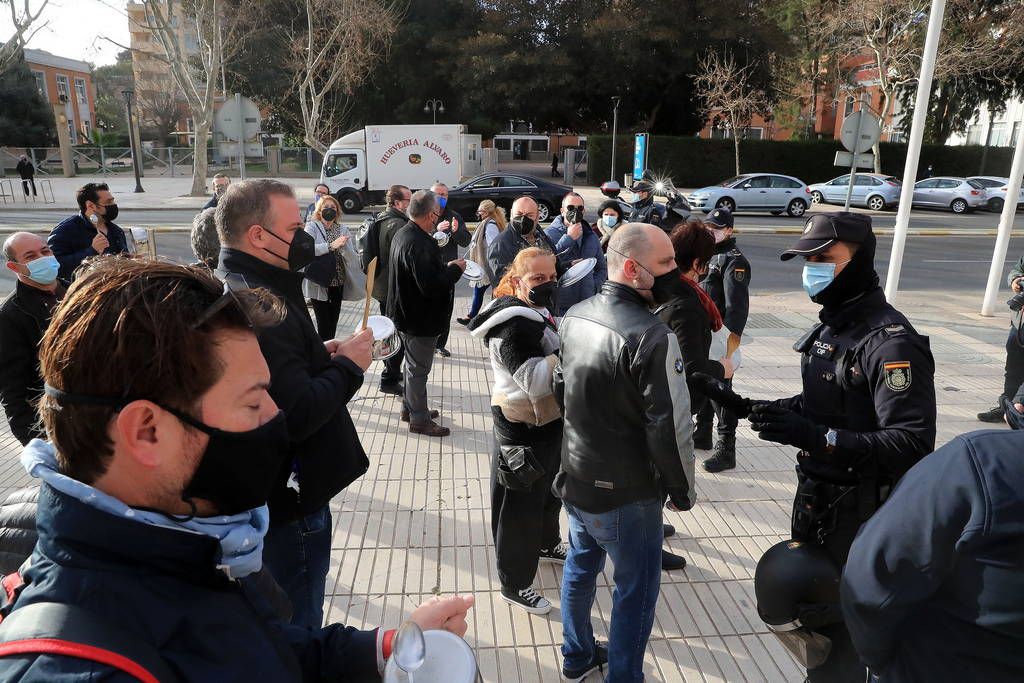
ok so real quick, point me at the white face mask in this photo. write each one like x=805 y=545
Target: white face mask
x=610 y=221
x=719 y=235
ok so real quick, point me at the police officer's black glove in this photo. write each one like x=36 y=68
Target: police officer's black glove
x=774 y=423
x=719 y=392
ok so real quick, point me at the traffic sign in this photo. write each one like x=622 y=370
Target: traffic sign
x=846 y=160
x=639 y=155
x=861 y=127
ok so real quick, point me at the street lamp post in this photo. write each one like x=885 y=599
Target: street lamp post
x=615 y=129
x=131 y=139
x=435 y=106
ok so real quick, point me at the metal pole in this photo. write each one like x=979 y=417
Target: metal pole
x=853 y=161
x=924 y=89
x=995 y=272
x=131 y=139
x=170 y=159
x=241 y=135
x=615 y=130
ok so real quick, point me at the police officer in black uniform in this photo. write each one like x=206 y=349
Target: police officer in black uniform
x=867 y=410
x=645 y=209
x=728 y=285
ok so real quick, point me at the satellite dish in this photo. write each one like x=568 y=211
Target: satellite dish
x=228 y=116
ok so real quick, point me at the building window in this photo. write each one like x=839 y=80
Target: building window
x=80 y=90
x=63 y=90
x=71 y=131
x=999 y=135
x=538 y=145
x=896 y=136
x=975 y=134
x=1013 y=135
x=41 y=83
x=502 y=144
x=849 y=106
x=753 y=133
x=87 y=130
x=718 y=133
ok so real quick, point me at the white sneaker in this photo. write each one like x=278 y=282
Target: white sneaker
x=529 y=600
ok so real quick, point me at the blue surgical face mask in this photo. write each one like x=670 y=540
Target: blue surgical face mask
x=818 y=276
x=442 y=202
x=610 y=221
x=43 y=270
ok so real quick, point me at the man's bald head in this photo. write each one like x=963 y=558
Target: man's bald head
x=22 y=244
x=525 y=206
x=637 y=253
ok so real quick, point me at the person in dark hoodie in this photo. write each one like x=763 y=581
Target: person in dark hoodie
x=934 y=586
x=152 y=514
x=574 y=241
x=264 y=245
x=866 y=414
x=520 y=334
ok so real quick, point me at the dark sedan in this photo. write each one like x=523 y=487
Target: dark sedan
x=505 y=188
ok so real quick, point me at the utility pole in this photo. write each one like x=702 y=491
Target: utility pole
x=615 y=129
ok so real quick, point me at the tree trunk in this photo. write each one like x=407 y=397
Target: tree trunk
x=199 y=157
x=812 y=122
x=877 y=147
x=736 y=148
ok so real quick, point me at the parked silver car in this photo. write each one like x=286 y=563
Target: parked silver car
x=876 y=191
x=956 y=194
x=767 y=192
x=996 y=188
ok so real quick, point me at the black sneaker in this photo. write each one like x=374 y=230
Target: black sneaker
x=527 y=599
x=444 y=353
x=993 y=415
x=596 y=663
x=393 y=389
x=557 y=554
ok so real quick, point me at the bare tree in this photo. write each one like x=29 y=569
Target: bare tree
x=162 y=110
x=886 y=37
x=728 y=92
x=25 y=25
x=332 y=53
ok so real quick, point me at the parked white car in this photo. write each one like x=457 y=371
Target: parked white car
x=956 y=194
x=876 y=191
x=768 y=192
x=997 y=189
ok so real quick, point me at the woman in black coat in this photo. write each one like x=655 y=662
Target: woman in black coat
x=691 y=314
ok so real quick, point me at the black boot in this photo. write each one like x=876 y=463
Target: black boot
x=670 y=561
x=702 y=436
x=724 y=457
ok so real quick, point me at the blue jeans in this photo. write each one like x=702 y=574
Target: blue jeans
x=298 y=556
x=632 y=536
x=478 y=299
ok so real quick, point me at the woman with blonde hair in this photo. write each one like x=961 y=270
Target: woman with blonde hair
x=330 y=237
x=492 y=223
x=519 y=331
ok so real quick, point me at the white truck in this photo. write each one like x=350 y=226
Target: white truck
x=360 y=167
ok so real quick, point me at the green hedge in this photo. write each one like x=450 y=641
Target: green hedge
x=696 y=162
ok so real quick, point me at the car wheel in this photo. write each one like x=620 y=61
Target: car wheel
x=726 y=203
x=958 y=206
x=350 y=202
x=876 y=203
x=543 y=211
x=817 y=197
x=995 y=205
x=796 y=208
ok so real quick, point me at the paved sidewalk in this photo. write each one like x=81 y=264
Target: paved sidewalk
x=419 y=522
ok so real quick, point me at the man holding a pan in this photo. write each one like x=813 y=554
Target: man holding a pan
x=264 y=245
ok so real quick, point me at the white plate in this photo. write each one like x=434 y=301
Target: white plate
x=719 y=345
x=441 y=237
x=449 y=659
x=473 y=271
x=577 y=272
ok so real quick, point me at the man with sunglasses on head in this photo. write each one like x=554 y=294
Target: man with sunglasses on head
x=865 y=416
x=164 y=446
x=89 y=232
x=263 y=244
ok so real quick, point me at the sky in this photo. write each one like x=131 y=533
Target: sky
x=74 y=26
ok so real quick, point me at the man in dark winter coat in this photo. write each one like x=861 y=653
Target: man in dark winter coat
x=89 y=232
x=458 y=236
x=574 y=241
x=934 y=586
x=523 y=231
x=27 y=172
x=152 y=514
x=420 y=285
x=379 y=236
x=263 y=245
x=24 y=316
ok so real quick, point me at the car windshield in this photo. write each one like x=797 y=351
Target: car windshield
x=732 y=181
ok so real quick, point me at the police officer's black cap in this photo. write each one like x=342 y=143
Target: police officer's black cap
x=642 y=186
x=720 y=218
x=822 y=230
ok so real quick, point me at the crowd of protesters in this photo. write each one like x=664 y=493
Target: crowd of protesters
x=198 y=416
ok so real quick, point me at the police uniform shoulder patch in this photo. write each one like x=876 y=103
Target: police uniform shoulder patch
x=897 y=375
x=739 y=274
x=679 y=366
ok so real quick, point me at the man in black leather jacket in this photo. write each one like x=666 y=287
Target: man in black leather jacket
x=622 y=455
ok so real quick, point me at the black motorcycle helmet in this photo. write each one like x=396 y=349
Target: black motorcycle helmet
x=797 y=589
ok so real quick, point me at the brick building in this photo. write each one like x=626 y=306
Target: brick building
x=68 y=83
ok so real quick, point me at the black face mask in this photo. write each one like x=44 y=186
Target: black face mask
x=573 y=214
x=110 y=213
x=665 y=286
x=238 y=470
x=524 y=224
x=329 y=214
x=543 y=295
x=301 y=251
